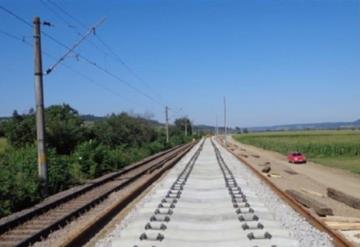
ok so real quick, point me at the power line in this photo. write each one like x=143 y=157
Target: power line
x=115 y=55
x=126 y=66
x=99 y=85
x=108 y=48
x=15 y=37
x=85 y=58
x=90 y=31
x=16 y=16
x=104 y=70
x=175 y=113
x=83 y=75
x=58 y=15
x=70 y=25
x=67 y=14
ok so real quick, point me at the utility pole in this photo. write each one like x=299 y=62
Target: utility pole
x=40 y=119
x=216 y=129
x=225 y=130
x=167 y=123
x=185 y=126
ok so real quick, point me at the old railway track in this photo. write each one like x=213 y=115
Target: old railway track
x=31 y=225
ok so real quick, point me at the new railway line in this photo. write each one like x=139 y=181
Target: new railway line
x=207 y=198
x=211 y=199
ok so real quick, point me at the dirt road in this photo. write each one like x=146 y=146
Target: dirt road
x=307 y=177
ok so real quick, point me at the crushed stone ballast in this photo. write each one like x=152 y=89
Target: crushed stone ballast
x=210 y=199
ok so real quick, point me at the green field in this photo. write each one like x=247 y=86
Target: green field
x=2 y=144
x=338 y=148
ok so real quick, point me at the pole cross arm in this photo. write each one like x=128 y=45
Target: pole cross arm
x=84 y=37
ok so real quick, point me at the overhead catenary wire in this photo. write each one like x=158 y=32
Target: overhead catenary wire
x=126 y=66
x=13 y=36
x=74 y=28
x=19 y=18
x=68 y=14
x=68 y=24
x=175 y=113
x=106 y=46
x=87 y=60
x=90 y=31
x=68 y=67
x=106 y=71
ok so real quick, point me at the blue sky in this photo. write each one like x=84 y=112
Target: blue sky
x=277 y=62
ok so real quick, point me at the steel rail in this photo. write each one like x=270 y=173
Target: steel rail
x=18 y=218
x=101 y=187
x=81 y=237
x=337 y=239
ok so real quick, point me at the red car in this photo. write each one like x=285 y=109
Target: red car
x=296 y=157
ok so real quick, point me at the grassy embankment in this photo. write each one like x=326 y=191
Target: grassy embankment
x=2 y=144
x=340 y=149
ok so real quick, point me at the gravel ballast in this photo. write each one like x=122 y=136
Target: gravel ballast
x=296 y=226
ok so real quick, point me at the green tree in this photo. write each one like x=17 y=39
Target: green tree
x=180 y=124
x=2 y=130
x=76 y=151
x=20 y=129
x=123 y=129
x=92 y=159
x=64 y=128
x=19 y=178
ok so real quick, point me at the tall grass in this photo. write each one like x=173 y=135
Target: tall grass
x=3 y=144
x=314 y=144
x=337 y=143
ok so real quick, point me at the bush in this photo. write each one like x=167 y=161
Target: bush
x=2 y=130
x=182 y=124
x=60 y=173
x=92 y=159
x=125 y=156
x=76 y=152
x=19 y=177
x=124 y=130
x=20 y=129
x=156 y=147
x=64 y=128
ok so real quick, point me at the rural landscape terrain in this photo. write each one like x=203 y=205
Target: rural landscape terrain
x=77 y=150
x=179 y=123
x=333 y=148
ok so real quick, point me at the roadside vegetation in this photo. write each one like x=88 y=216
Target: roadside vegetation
x=77 y=151
x=2 y=144
x=336 y=148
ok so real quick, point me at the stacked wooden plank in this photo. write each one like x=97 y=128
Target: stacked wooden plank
x=343 y=223
x=310 y=202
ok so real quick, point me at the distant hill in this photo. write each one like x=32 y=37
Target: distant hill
x=210 y=129
x=304 y=126
x=4 y=118
x=91 y=118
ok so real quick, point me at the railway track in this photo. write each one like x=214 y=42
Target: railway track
x=313 y=219
x=29 y=226
x=208 y=201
